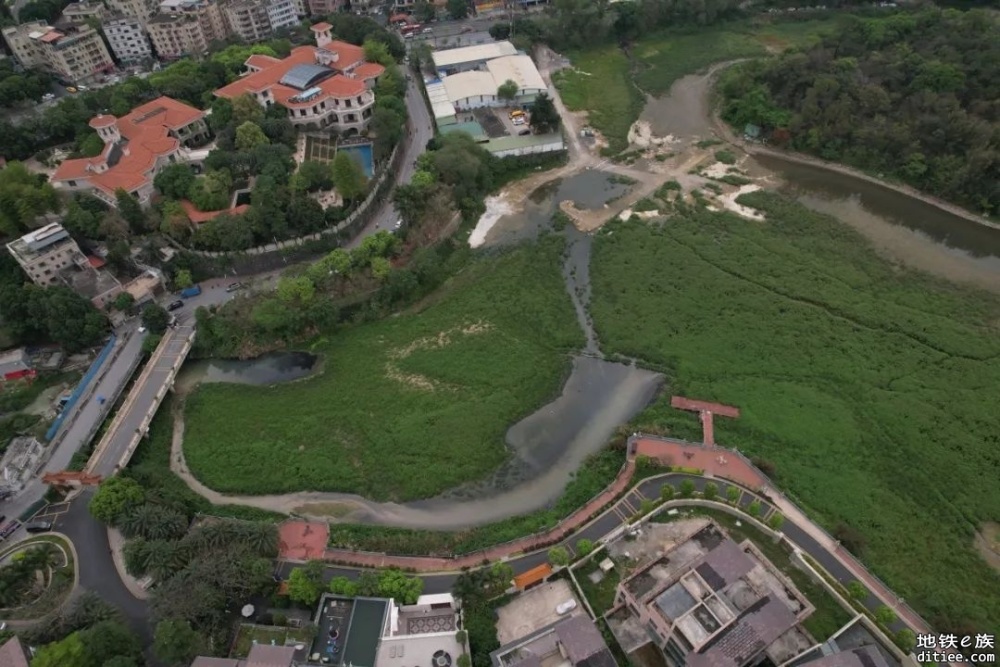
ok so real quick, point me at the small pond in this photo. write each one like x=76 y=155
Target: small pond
x=264 y=370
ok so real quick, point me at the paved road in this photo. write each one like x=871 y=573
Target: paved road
x=97 y=569
x=84 y=417
x=414 y=144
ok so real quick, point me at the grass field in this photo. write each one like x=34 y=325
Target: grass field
x=872 y=389
x=406 y=407
x=604 y=82
x=601 y=84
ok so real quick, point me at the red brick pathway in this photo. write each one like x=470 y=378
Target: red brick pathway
x=525 y=544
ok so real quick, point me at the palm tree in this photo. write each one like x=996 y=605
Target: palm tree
x=261 y=538
x=154 y=523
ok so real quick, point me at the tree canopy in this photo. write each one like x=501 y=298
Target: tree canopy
x=115 y=497
x=913 y=96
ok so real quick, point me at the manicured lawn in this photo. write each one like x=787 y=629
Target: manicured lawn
x=871 y=388
x=406 y=407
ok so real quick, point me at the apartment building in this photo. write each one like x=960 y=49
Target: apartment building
x=128 y=39
x=44 y=252
x=136 y=147
x=186 y=27
x=328 y=86
x=75 y=54
x=324 y=7
x=140 y=9
x=256 y=20
x=77 y=13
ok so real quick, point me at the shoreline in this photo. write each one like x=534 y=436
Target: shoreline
x=751 y=149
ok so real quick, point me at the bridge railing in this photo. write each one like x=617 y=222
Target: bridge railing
x=151 y=412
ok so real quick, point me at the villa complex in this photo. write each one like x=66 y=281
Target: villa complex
x=326 y=86
x=136 y=147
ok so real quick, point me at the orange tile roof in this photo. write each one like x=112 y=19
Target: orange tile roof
x=199 y=217
x=260 y=60
x=321 y=27
x=368 y=71
x=146 y=131
x=95 y=262
x=533 y=576
x=52 y=36
x=267 y=78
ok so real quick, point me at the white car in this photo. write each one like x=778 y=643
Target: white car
x=142 y=329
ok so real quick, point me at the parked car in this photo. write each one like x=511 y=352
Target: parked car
x=70 y=89
x=7 y=530
x=174 y=305
x=427 y=31
x=39 y=526
x=235 y=286
x=142 y=328
x=525 y=132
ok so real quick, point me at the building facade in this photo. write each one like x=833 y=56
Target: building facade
x=140 y=9
x=324 y=7
x=256 y=20
x=76 y=54
x=77 y=13
x=186 y=27
x=136 y=147
x=329 y=86
x=128 y=39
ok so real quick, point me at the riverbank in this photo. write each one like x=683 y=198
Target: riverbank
x=755 y=148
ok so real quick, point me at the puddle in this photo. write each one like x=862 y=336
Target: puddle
x=265 y=370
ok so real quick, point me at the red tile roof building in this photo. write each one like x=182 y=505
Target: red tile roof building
x=324 y=86
x=136 y=147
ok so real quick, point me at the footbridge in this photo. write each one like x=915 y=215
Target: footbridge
x=131 y=423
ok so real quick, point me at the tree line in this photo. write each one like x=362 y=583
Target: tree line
x=913 y=96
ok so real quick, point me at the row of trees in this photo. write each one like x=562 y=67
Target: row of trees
x=915 y=96
x=305 y=585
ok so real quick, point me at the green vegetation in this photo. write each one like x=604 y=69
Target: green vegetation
x=859 y=382
x=150 y=466
x=247 y=635
x=829 y=615
x=605 y=84
x=920 y=113
x=601 y=85
x=406 y=407
x=601 y=595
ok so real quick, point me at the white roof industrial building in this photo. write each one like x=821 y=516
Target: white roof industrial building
x=477 y=88
x=471 y=56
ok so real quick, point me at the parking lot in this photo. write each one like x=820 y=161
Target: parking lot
x=498 y=123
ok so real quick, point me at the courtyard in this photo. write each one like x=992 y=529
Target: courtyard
x=535 y=609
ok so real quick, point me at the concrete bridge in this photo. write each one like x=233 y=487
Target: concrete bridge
x=131 y=423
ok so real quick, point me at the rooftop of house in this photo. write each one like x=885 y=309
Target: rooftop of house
x=38 y=242
x=144 y=135
x=475 y=53
x=13 y=653
x=755 y=629
x=290 y=80
x=261 y=655
x=865 y=656
x=576 y=638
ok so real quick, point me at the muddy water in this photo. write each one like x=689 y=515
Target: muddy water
x=589 y=190
x=684 y=112
x=901 y=227
x=576 y=272
x=264 y=370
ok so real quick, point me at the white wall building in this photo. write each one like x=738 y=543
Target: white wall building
x=128 y=39
x=451 y=61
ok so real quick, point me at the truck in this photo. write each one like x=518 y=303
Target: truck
x=189 y=292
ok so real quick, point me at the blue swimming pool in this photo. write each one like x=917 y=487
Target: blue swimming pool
x=363 y=154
